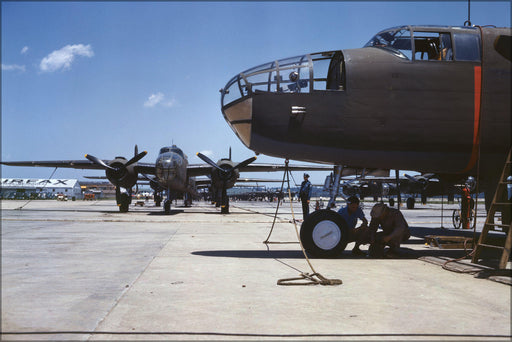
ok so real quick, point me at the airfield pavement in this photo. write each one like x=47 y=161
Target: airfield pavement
x=80 y=270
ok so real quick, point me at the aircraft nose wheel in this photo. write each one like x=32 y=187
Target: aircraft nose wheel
x=324 y=234
x=123 y=202
x=167 y=207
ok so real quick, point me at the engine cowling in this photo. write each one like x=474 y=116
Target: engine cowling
x=122 y=175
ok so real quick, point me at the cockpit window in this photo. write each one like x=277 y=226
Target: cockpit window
x=432 y=46
x=323 y=71
x=177 y=151
x=467 y=46
x=396 y=41
x=173 y=149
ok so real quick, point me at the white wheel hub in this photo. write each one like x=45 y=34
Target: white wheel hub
x=326 y=235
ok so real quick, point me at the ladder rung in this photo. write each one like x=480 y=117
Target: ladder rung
x=498 y=225
x=502 y=204
x=490 y=246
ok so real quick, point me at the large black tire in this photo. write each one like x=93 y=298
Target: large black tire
x=123 y=203
x=391 y=201
x=410 y=203
x=324 y=234
x=167 y=207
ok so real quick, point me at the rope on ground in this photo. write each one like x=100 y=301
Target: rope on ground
x=314 y=278
x=470 y=254
x=44 y=186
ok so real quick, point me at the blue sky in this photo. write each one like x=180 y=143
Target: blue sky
x=100 y=77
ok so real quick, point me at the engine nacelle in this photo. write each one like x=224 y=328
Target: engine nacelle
x=123 y=176
x=229 y=178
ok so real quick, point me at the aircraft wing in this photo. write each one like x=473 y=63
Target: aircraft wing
x=145 y=168
x=71 y=164
x=258 y=180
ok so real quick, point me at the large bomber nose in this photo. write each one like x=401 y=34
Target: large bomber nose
x=305 y=74
x=166 y=167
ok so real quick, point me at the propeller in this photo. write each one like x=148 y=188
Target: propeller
x=209 y=161
x=225 y=171
x=135 y=159
x=119 y=171
x=99 y=162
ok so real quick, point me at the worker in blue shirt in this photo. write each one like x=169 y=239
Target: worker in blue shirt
x=305 y=195
x=350 y=213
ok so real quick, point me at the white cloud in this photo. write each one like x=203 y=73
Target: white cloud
x=62 y=59
x=154 y=99
x=24 y=50
x=159 y=99
x=11 y=67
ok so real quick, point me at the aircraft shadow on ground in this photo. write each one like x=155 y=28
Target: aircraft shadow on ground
x=405 y=253
x=162 y=213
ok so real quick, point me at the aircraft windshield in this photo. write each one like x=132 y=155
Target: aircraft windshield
x=396 y=40
x=300 y=74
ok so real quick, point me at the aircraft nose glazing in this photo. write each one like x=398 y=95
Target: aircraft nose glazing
x=288 y=78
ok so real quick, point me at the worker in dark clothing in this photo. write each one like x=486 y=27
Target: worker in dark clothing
x=395 y=230
x=305 y=195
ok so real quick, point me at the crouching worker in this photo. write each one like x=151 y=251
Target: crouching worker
x=395 y=230
x=350 y=213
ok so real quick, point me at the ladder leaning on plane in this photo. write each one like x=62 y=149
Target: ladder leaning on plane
x=502 y=203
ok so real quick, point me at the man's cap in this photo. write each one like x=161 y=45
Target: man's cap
x=352 y=199
x=306 y=175
x=378 y=210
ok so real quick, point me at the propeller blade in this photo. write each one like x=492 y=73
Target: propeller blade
x=136 y=158
x=244 y=163
x=136 y=150
x=411 y=178
x=99 y=162
x=209 y=162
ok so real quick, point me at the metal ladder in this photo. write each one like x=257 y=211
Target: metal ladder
x=502 y=202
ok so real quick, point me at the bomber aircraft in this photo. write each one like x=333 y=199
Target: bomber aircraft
x=426 y=185
x=424 y=98
x=171 y=173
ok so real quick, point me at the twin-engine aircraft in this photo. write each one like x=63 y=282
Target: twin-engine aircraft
x=171 y=173
x=432 y=99
x=425 y=186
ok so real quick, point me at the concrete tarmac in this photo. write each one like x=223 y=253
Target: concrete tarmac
x=83 y=271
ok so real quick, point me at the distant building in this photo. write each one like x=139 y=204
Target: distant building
x=17 y=188
x=99 y=189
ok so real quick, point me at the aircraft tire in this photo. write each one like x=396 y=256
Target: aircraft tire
x=124 y=203
x=456 y=219
x=324 y=234
x=167 y=207
x=391 y=202
x=410 y=203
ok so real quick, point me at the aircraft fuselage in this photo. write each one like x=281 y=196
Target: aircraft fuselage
x=171 y=169
x=394 y=106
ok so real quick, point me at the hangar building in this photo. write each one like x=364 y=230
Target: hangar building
x=17 y=188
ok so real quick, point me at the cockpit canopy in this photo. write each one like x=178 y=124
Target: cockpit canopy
x=442 y=43
x=173 y=149
x=300 y=74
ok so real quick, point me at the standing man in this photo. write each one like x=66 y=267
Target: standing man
x=466 y=205
x=395 y=230
x=350 y=213
x=305 y=195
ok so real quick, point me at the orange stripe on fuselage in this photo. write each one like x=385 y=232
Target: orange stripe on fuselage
x=476 y=122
